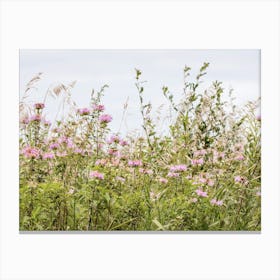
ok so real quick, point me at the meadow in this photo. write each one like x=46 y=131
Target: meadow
x=204 y=173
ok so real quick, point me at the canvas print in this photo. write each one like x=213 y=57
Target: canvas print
x=139 y=140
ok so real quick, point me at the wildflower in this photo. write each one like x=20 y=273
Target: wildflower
x=123 y=143
x=210 y=182
x=173 y=174
x=146 y=171
x=216 y=202
x=200 y=192
x=48 y=156
x=71 y=191
x=258 y=118
x=239 y=157
x=105 y=118
x=240 y=179
x=113 y=139
x=39 y=106
x=163 y=180
x=194 y=200
x=31 y=152
x=200 y=153
x=35 y=118
x=25 y=120
x=199 y=161
x=258 y=193
x=96 y=174
x=54 y=146
x=101 y=162
x=98 y=107
x=154 y=196
x=47 y=123
x=135 y=163
x=61 y=154
x=83 y=111
x=178 y=168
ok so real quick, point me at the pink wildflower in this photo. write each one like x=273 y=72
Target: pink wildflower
x=200 y=153
x=194 y=200
x=105 y=118
x=98 y=107
x=135 y=163
x=123 y=143
x=216 y=202
x=200 y=192
x=101 y=162
x=96 y=174
x=31 y=152
x=83 y=111
x=173 y=174
x=178 y=168
x=39 y=105
x=239 y=157
x=48 y=156
x=54 y=146
x=35 y=118
x=113 y=139
x=163 y=180
x=199 y=161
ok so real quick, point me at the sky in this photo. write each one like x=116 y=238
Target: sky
x=237 y=69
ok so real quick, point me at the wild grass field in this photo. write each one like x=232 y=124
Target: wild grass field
x=204 y=173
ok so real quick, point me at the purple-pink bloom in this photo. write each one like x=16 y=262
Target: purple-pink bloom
x=105 y=118
x=35 y=118
x=200 y=192
x=48 y=156
x=123 y=143
x=173 y=174
x=54 y=146
x=239 y=157
x=98 y=107
x=178 y=168
x=96 y=174
x=83 y=111
x=194 y=200
x=31 y=152
x=199 y=161
x=163 y=180
x=135 y=163
x=39 y=105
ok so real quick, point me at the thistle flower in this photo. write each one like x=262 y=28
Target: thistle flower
x=198 y=162
x=83 y=111
x=39 y=106
x=163 y=180
x=105 y=118
x=98 y=107
x=31 y=152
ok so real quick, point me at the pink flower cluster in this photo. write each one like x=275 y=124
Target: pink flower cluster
x=197 y=162
x=39 y=106
x=31 y=152
x=173 y=174
x=200 y=153
x=48 y=155
x=135 y=163
x=201 y=193
x=178 y=168
x=83 y=111
x=96 y=174
x=216 y=202
x=146 y=171
x=163 y=180
x=98 y=107
x=105 y=118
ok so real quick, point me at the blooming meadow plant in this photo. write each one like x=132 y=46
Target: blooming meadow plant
x=203 y=174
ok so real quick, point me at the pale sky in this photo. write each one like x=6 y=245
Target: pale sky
x=237 y=69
